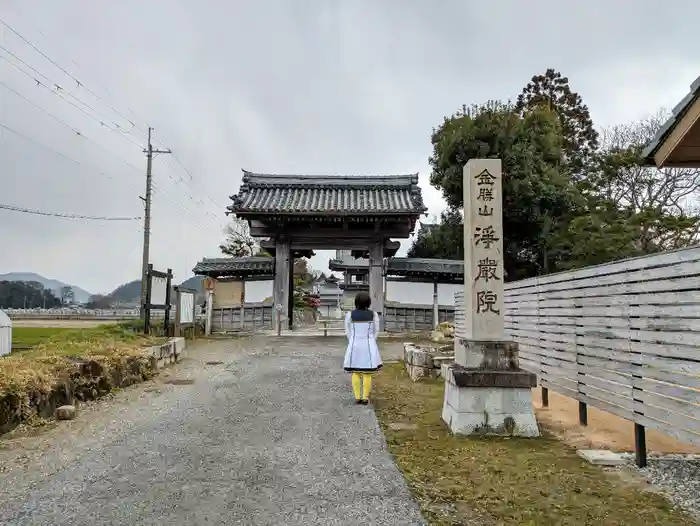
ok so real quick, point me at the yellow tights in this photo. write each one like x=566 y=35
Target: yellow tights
x=361 y=385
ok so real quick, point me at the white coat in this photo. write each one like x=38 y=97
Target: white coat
x=362 y=354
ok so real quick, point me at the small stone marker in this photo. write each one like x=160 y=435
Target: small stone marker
x=601 y=457
x=66 y=412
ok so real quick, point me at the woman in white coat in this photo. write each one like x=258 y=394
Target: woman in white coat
x=362 y=357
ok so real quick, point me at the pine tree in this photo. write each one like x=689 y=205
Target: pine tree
x=579 y=136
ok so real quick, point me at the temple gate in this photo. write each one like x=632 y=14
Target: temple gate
x=317 y=212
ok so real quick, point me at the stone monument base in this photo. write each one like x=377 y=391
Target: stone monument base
x=491 y=395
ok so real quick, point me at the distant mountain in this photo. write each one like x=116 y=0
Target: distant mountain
x=81 y=295
x=131 y=292
x=128 y=292
x=195 y=282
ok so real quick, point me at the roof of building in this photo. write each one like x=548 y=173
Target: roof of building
x=678 y=112
x=425 y=267
x=328 y=194
x=256 y=265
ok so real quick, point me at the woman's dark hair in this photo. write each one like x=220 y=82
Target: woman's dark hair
x=362 y=300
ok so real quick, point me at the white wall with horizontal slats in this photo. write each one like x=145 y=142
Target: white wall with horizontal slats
x=623 y=337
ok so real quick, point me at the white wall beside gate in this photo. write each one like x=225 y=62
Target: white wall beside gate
x=258 y=291
x=416 y=293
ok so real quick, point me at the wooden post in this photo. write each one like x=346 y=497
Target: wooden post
x=209 y=314
x=278 y=310
x=640 y=438
x=168 y=306
x=281 y=292
x=194 y=316
x=147 y=303
x=290 y=295
x=376 y=279
x=436 y=312
x=640 y=445
x=582 y=413
x=545 y=397
x=582 y=407
x=177 y=328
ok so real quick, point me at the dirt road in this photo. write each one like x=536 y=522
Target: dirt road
x=258 y=431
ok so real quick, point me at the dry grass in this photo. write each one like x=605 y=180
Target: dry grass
x=538 y=482
x=42 y=366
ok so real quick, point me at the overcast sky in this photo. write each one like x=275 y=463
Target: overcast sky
x=295 y=86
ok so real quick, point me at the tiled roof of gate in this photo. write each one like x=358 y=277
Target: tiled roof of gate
x=250 y=265
x=328 y=194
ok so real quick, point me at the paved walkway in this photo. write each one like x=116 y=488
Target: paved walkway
x=269 y=436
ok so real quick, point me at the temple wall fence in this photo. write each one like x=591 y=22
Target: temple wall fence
x=253 y=317
x=623 y=337
x=402 y=317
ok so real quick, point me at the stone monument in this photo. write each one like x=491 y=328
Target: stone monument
x=486 y=392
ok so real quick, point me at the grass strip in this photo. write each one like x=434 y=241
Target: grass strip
x=501 y=481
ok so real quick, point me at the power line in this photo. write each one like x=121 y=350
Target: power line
x=57 y=86
x=191 y=215
x=66 y=125
x=65 y=216
x=81 y=84
x=55 y=152
x=100 y=121
x=59 y=91
x=77 y=81
x=82 y=135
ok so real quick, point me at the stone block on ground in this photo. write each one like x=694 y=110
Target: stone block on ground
x=426 y=361
x=402 y=426
x=480 y=402
x=601 y=457
x=66 y=412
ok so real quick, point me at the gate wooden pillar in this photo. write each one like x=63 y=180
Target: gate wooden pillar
x=376 y=278
x=283 y=253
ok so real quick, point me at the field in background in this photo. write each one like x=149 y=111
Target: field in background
x=57 y=323
x=30 y=336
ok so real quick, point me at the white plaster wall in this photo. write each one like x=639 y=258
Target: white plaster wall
x=409 y=293
x=446 y=292
x=258 y=291
x=415 y=293
x=329 y=311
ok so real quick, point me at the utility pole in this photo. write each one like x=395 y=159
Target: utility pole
x=147 y=219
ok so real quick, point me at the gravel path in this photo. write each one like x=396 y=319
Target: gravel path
x=268 y=436
x=677 y=477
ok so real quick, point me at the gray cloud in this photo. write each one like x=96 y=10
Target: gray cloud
x=282 y=86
